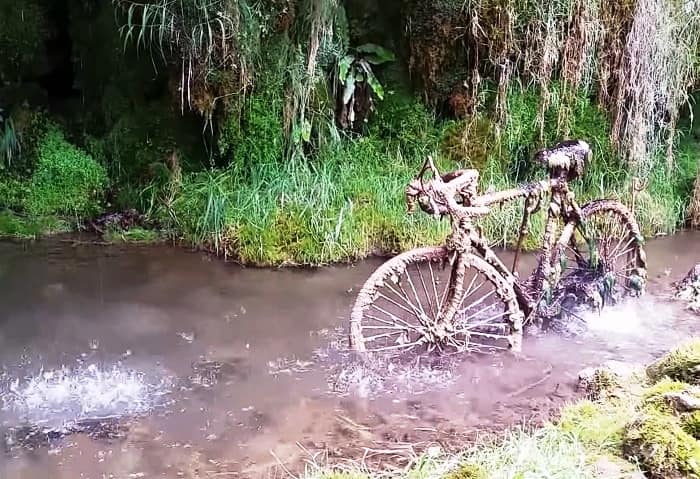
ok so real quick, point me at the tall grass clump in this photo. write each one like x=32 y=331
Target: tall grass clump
x=636 y=60
x=296 y=212
x=694 y=207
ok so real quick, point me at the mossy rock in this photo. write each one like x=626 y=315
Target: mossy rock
x=659 y=443
x=467 y=471
x=599 y=424
x=654 y=394
x=681 y=364
x=691 y=424
x=599 y=383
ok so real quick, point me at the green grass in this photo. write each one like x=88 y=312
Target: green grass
x=66 y=181
x=304 y=213
x=339 y=208
x=342 y=199
x=345 y=200
x=134 y=235
x=28 y=228
x=598 y=424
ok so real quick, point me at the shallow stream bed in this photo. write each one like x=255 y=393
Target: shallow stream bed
x=159 y=362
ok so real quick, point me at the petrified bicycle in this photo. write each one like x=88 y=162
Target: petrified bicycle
x=462 y=297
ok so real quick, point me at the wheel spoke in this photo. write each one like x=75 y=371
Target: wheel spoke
x=415 y=294
x=414 y=310
x=402 y=313
x=425 y=290
x=607 y=244
x=398 y=305
x=438 y=304
x=394 y=317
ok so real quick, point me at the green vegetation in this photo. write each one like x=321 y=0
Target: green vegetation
x=18 y=227
x=134 y=235
x=65 y=186
x=67 y=181
x=284 y=131
x=683 y=364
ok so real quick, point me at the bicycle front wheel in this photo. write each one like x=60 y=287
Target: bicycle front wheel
x=397 y=310
x=605 y=245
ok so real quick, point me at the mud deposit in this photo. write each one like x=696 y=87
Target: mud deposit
x=155 y=362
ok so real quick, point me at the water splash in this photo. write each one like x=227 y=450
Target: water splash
x=630 y=318
x=60 y=396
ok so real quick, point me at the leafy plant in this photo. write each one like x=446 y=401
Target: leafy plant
x=207 y=39
x=358 y=82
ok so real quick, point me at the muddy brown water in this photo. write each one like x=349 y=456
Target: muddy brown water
x=241 y=372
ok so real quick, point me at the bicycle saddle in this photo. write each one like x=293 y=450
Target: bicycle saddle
x=566 y=159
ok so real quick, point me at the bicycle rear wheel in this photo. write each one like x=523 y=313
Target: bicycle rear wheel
x=397 y=309
x=606 y=245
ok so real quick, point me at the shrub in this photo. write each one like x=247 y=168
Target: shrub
x=67 y=181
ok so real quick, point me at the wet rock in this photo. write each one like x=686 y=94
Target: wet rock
x=614 y=468
x=32 y=437
x=207 y=374
x=604 y=380
x=681 y=364
x=684 y=401
x=122 y=220
x=688 y=289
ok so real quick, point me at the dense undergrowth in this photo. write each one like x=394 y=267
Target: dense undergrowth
x=632 y=423
x=241 y=138
x=346 y=201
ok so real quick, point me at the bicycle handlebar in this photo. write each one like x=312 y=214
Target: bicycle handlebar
x=565 y=162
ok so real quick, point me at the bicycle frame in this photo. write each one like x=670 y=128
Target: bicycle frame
x=439 y=197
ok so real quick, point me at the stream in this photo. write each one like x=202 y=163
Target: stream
x=130 y=362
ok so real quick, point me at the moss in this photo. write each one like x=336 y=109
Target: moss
x=13 y=191
x=470 y=142
x=603 y=383
x=598 y=424
x=657 y=440
x=654 y=394
x=682 y=364
x=67 y=181
x=691 y=423
x=467 y=471
x=403 y=123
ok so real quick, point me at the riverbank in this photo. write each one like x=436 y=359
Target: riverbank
x=633 y=423
x=340 y=202
x=335 y=209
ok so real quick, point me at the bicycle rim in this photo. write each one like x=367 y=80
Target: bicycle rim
x=605 y=246
x=397 y=310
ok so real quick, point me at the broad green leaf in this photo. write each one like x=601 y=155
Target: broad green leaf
x=376 y=54
x=377 y=87
x=349 y=89
x=344 y=66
